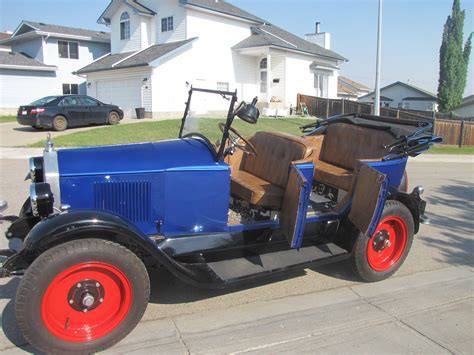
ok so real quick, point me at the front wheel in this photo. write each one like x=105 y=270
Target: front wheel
x=114 y=118
x=81 y=296
x=380 y=256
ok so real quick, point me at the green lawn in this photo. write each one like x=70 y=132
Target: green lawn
x=5 y=119
x=442 y=149
x=168 y=129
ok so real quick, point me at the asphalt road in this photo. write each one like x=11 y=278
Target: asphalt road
x=442 y=252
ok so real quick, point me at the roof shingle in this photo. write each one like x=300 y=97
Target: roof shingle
x=21 y=60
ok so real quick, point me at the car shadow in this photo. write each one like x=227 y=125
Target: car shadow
x=29 y=129
x=9 y=324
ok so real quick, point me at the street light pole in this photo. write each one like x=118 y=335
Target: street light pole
x=379 y=59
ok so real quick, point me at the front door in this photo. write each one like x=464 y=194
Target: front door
x=73 y=110
x=295 y=206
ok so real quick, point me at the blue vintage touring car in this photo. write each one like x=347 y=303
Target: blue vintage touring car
x=214 y=214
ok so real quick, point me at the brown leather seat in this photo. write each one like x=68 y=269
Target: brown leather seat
x=261 y=180
x=341 y=148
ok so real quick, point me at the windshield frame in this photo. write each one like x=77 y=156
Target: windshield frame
x=230 y=117
x=50 y=98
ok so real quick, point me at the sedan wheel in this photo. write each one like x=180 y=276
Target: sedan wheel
x=59 y=123
x=114 y=118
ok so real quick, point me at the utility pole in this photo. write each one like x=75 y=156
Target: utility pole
x=379 y=59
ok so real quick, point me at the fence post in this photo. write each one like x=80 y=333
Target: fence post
x=342 y=103
x=461 y=134
x=398 y=113
x=434 y=122
x=327 y=107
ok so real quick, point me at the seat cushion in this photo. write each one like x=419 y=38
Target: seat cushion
x=333 y=175
x=255 y=190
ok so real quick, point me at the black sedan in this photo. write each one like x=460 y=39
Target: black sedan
x=61 y=112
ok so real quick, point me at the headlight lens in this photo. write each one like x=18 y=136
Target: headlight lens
x=37 y=169
x=42 y=200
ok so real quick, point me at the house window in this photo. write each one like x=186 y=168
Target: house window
x=125 y=26
x=321 y=83
x=222 y=86
x=263 y=75
x=68 y=49
x=69 y=89
x=167 y=24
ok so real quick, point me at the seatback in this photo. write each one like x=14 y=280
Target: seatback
x=275 y=153
x=344 y=144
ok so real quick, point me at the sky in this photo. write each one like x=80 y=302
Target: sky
x=411 y=34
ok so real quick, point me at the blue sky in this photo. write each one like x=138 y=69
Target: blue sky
x=411 y=33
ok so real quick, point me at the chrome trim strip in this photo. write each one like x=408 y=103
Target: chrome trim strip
x=51 y=175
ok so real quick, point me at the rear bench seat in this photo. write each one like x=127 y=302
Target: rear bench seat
x=340 y=149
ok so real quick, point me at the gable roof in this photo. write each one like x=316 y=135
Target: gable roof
x=354 y=84
x=31 y=28
x=422 y=91
x=133 y=59
x=136 y=5
x=223 y=7
x=12 y=60
x=270 y=35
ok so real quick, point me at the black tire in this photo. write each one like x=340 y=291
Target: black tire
x=360 y=252
x=59 y=123
x=39 y=284
x=113 y=118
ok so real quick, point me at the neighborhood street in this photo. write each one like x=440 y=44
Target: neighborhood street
x=426 y=307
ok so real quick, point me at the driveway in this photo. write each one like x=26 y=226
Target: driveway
x=426 y=307
x=14 y=135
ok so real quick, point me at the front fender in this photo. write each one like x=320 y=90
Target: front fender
x=415 y=204
x=62 y=227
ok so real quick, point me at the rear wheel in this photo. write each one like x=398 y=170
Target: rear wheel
x=380 y=256
x=81 y=296
x=59 y=123
x=114 y=118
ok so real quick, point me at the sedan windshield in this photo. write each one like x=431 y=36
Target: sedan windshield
x=44 y=100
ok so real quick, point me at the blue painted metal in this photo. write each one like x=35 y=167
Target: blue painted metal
x=382 y=197
x=171 y=187
x=393 y=169
x=305 y=172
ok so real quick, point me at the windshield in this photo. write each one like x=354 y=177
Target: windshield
x=44 y=100
x=199 y=120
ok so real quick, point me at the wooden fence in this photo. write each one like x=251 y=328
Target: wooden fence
x=454 y=132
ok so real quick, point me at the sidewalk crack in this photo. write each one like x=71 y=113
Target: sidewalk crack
x=180 y=337
x=401 y=321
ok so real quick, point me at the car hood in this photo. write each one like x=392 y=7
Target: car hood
x=171 y=155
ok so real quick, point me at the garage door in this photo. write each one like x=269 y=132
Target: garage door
x=126 y=93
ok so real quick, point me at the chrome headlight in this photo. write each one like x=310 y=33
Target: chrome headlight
x=41 y=198
x=37 y=169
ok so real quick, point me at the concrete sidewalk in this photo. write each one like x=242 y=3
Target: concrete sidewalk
x=429 y=312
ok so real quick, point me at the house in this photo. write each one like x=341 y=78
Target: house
x=42 y=59
x=466 y=108
x=159 y=46
x=4 y=36
x=403 y=96
x=348 y=89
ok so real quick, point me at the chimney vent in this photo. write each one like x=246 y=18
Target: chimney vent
x=318 y=25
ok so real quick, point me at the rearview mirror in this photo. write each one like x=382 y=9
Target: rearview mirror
x=249 y=112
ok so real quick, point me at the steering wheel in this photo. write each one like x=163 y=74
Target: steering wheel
x=235 y=137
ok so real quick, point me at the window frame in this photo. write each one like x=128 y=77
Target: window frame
x=68 y=48
x=167 y=24
x=321 y=84
x=223 y=86
x=125 y=31
x=263 y=68
x=70 y=87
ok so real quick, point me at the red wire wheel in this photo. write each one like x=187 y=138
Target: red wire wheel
x=387 y=244
x=73 y=311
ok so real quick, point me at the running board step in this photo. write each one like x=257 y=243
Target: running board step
x=255 y=265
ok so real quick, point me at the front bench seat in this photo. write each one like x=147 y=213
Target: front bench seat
x=341 y=147
x=261 y=180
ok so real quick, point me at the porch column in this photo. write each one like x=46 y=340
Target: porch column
x=269 y=75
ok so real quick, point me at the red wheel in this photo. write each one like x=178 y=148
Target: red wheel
x=380 y=256
x=81 y=296
x=86 y=301
x=387 y=244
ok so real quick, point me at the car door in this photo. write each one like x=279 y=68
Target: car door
x=295 y=204
x=93 y=113
x=368 y=200
x=74 y=111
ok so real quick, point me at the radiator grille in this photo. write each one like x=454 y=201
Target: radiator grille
x=129 y=199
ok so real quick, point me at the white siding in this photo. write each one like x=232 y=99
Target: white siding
x=278 y=71
x=32 y=47
x=20 y=87
x=166 y=8
x=246 y=75
x=135 y=41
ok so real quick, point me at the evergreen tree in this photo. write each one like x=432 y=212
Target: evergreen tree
x=453 y=60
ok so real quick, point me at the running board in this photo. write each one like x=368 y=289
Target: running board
x=258 y=265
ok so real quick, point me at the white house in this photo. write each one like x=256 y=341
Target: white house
x=42 y=59
x=348 y=89
x=159 y=46
x=401 y=95
x=465 y=108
